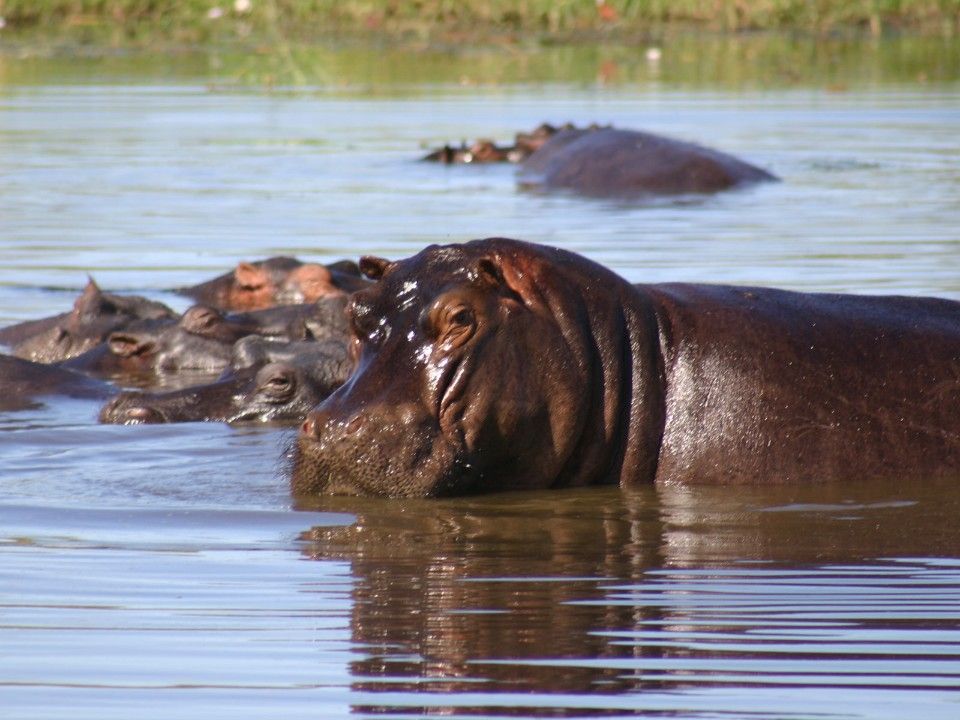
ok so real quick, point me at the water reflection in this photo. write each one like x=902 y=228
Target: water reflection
x=618 y=601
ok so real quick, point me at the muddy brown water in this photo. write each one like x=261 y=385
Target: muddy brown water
x=158 y=572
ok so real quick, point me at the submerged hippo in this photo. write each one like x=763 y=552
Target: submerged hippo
x=609 y=162
x=198 y=341
x=202 y=340
x=500 y=364
x=94 y=316
x=275 y=281
x=272 y=382
x=22 y=382
x=487 y=151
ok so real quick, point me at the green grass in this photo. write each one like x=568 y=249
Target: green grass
x=199 y=21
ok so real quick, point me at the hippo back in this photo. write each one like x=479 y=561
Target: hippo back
x=607 y=162
x=773 y=386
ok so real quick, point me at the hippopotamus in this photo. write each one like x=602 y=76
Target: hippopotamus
x=275 y=281
x=199 y=341
x=23 y=381
x=202 y=340
x=499 y=364
x=322 y=319
x=486 y=151
x=607 y=162
x=271 y=381
x=94 y=316
x=611 y=162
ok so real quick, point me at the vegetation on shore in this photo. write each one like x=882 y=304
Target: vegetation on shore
x=197 y=21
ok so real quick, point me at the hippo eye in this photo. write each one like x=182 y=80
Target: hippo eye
x=278 y=386
x=463 y=316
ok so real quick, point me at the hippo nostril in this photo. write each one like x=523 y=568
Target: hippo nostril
x=354 y=425
x=140 y=415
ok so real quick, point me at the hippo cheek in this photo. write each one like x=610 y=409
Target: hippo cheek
x=390 y=451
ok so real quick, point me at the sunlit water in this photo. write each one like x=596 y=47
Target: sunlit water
x=158 y=572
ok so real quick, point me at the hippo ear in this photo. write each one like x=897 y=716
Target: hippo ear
x=488 y=271
x=89 y=299
x=374 y=267
x=200 y=318
x=249 y=276
x=126 y=345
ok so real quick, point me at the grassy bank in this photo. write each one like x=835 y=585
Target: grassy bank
x=198 y=21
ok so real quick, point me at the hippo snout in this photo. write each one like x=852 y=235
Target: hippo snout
x=126 y=410
x=319 y=426
x=392 y=450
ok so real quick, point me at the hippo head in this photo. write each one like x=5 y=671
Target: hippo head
x=480 y=368
x=275 y=392
x=94 y=316
x=200 y=340
x=265 y=283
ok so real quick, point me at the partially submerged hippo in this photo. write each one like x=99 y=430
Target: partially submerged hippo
x=486 y=151
x=94 y=316
x=500 y=364
x=275 y=281
x=202 y=339
x=22 y=382
x=272 y=382
x=322 y=319
x=163 y=348
x=609 y=162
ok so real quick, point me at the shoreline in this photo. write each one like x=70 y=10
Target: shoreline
x=166 y=24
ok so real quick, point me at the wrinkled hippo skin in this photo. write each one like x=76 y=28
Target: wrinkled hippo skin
x=275 y=281
x=95 y=315
x=607 y=162
x=23 y=381
x=273 y=381
x=500 y=365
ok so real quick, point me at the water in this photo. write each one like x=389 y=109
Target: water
x=162 y=571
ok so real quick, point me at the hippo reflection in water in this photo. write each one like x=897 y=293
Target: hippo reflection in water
x=500 y=364
x=609 y=162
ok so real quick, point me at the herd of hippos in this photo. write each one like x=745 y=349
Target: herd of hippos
x=499 y=364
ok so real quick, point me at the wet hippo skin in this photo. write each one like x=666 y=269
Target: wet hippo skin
x=499 y=364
